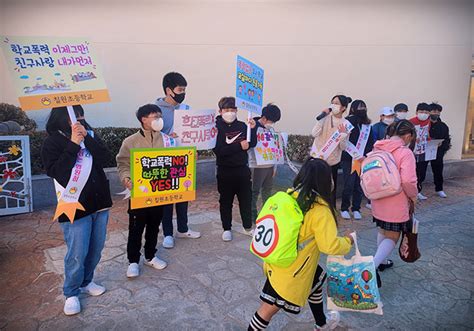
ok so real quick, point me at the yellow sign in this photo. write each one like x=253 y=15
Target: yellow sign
x=162 y=176
x=54 y=72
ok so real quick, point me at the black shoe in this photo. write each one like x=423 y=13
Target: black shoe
x=384 y=266
x=379 y=281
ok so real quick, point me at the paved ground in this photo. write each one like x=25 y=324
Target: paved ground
x=212 y=285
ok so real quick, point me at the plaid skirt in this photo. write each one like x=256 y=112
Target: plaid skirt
x=395 y=227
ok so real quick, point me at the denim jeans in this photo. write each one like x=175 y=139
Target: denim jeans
x=181 y=218
x=85 y=239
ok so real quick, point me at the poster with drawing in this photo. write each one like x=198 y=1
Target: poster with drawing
x=53 y=72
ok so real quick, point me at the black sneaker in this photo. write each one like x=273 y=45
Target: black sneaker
x=384 y=266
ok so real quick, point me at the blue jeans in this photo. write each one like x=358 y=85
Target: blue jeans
x=85 y=239
x=181 y=218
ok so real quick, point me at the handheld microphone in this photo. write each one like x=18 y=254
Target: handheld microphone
x=322 y=115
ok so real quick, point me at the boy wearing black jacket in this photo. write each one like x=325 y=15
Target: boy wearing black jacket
x=439 y=130
x=233 y=172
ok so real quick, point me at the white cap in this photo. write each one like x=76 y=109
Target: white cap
x=387 y=111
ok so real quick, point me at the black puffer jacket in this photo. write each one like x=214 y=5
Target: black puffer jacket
x=59 y=156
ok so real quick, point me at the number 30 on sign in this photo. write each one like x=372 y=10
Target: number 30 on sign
x=265 y=236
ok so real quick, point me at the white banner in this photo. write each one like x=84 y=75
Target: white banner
x=331 y=144
x=269 y=148
x=195 y=128
x=422 y=134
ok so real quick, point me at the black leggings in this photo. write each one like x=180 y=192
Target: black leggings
x=334 y=170
x=315 y=298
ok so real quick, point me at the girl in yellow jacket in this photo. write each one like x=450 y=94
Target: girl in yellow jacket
x=290 y=287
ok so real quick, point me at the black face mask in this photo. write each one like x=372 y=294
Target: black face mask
x=434 y=117
x=361 y=113
x=179 y=98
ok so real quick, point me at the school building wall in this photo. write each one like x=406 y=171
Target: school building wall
x=381 y=51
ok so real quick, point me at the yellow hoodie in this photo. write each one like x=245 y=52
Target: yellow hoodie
x=317 y=234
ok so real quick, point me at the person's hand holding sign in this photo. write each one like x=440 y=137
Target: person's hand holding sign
x=244 y=144
x=78 y=132
x=252 y=123
x=342 y=128
x=128 y=183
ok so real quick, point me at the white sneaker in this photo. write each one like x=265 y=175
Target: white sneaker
x=421 y=196
x=190 y=234
x=168 y=242
x=93 y=289
x=357 y=215
x=368 y=206
x=227 y=235
x=441 y=194
x=345 y=215
x=133 y=270
x=332 y=320
x=156 y=263
x=72 y=306
x=248 y=232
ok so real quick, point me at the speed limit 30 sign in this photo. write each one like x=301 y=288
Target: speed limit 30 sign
x=266 y=235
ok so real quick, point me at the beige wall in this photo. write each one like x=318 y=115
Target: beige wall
x=382 y=51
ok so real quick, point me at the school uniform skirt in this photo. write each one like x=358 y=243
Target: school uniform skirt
x=395 y=227
x=270 y=296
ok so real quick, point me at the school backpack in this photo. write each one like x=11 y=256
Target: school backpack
x=275 y=238
x=380 y=177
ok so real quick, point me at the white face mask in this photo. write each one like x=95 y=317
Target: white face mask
x=157 y=125
x=229 y=116
x=388 y=120
x=422 y=116
x=401 y=115
x=336 y=109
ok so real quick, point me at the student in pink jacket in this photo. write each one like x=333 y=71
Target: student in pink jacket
x=392 y=214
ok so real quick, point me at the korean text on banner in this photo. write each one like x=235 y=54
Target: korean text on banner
x=53 y=72
x=269 y=148
x=162 y=176
x=196 y=128
x=249 y=86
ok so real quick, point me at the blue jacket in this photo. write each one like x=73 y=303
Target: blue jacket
x=379 y=130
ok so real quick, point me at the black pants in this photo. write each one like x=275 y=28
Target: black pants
x=421 y=173
x=149 y=218
x=437 y=166
x=231 y=182
x=181 y=218
x=352 y=189
x=334 y=170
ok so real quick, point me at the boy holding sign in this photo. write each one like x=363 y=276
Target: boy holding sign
x=174 y=86
x=262 y=175
x=233 y=173
x=142 y=219
x=422 y=124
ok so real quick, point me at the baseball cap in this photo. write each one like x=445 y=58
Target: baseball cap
x=387 y=111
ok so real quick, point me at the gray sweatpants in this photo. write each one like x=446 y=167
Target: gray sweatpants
x=262 y=181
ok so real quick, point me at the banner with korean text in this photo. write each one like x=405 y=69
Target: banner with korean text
x=53 y=72
x=162 y=176
x=196 y=128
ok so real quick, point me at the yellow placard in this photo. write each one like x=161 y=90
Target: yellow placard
x=54 y=72
x=162 y=176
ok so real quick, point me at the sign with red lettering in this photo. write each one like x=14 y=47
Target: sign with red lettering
x=162 y=176
x=195 y=128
